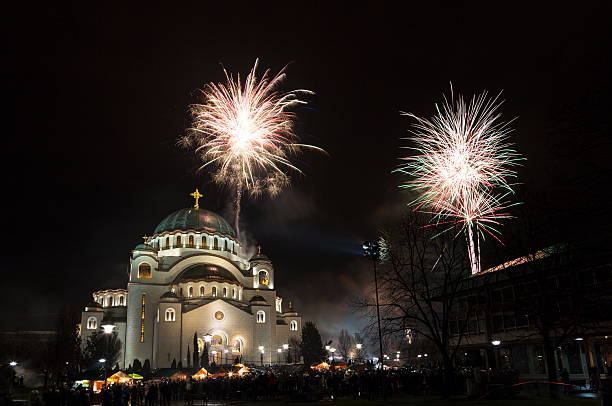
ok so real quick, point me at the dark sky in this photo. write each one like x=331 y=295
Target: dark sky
x=99 y=94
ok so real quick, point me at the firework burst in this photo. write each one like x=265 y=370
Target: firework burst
x=244 y=134
x=462 y=167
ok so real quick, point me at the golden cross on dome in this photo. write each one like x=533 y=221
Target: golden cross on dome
x=259 y=250
x=145 y=238
x=196 y=195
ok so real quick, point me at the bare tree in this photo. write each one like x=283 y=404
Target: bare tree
x=346 y=344
x=419 y=284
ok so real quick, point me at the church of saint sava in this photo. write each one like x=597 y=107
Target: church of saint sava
x=193 y=276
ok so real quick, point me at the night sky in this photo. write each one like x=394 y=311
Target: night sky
x=99 y=96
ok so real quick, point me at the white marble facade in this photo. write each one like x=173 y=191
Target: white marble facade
x=194 y=276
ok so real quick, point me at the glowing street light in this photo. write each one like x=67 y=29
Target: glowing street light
x=12 y=363
x=285 y=346
x=102 y=360
x=496 y=342
x=358 y=346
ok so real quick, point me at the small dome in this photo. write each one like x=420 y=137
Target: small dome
x=144 y=247
x=169 y=296
x=93 y=305
x=258 y=299
x=195 y=219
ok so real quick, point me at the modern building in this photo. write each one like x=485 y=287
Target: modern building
x=502 y=312
x=193 y=276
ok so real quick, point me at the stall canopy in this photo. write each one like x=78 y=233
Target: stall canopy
x=119 y=377
x=322 y=365
x=201 y=374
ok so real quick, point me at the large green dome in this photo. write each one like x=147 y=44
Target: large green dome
x=195 y=219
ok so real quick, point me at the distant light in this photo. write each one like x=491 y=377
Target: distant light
x=496 y=342
x=332 y=350
x=108 y=328
x=285 y=346
x=12 y=363
x=207 y=338
x=424 y=355
x=261 y=348
x=279 y=350
x=214 y=352
x=361 y=345
x=102 y=360
x=419 y=356
x=578 y=339
x=327 y=347
x=226 y=351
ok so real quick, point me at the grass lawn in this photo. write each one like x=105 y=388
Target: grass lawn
x=437 y=401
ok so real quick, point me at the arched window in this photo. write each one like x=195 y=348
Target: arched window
x=263 y=278
x=170 y=314
x=167 y=242
x=224 y=292
x=120 y=300
x=111 y=301
x=92 y=323
x=144 y=271
x=216 y=340
x=190 y=291
x=215 y=243
x=293 y=325
x=190 y=241
x=203 y=241
x=237 y=346
x=261 y=316
x=181 y=292
x=178 y=241
x=201 y=290
x=225 y=245
x=214 y=291
x=234 y=293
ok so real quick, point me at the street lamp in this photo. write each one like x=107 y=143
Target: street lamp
x=371 y=249
x=103 y=362
x=261 y=353
x=496 y=342
x=13 y=364
x=225 y=352
x=207 y=341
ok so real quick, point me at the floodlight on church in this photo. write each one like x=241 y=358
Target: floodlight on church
x=108 y=328
x=371 y=249
x=208 y=338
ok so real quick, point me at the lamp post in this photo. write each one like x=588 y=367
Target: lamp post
x=12 y=364
x=225 y=352
x=371 y=249
x=261 y=353
x=286 y=348
x=103 y=362
x=107 y=329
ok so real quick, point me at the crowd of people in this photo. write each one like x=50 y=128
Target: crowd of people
x=285 y=384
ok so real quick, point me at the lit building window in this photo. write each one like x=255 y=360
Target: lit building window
x=121 y=301
x=261 y=316
x=201 y=290
x=144 y=271
x=190 y=291
x=178 y=241
x=190 y=241
x=142 y=319
x=170 y=315
x=215 y=243
x=203 y=241
x=214 y=291
x=293 y=325
x=263 y=278
x=92 y=323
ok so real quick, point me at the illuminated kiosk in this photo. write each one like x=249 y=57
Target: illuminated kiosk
x=194 y=276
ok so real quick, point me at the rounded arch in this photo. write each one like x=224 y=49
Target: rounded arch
x=293 y=326
x=221 y=334
x=144 y=270
x=92 y=323
x=261 y=316
x=207 y=258
x=170 y=314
